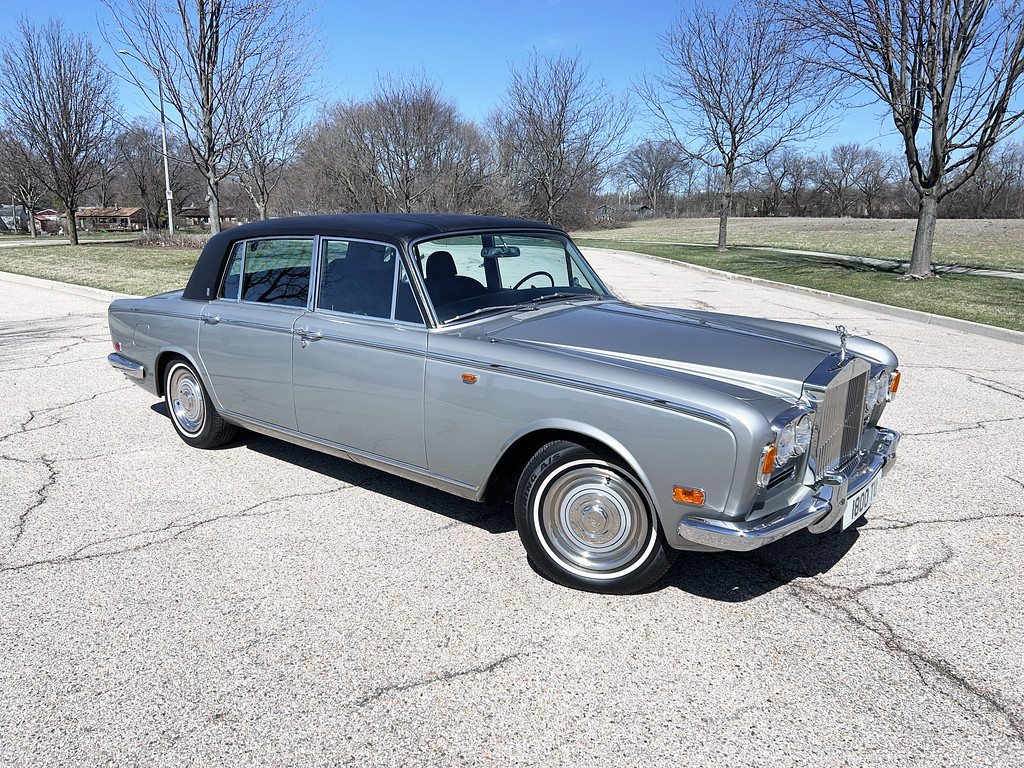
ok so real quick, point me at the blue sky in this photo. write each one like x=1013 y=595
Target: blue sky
x=467 y=47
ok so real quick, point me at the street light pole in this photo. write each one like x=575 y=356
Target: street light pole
x=163 y=137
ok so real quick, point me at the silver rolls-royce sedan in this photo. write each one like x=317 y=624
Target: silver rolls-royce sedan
x=483 y=356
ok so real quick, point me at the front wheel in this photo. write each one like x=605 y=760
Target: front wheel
x=192 y=412
x=586 y=521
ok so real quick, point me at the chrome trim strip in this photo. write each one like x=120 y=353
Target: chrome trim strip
x=262 y=326
x=826 y=502
x=584 y=386
x=363 y=343
x=129 y=368
x=331 y=314
x=159 y=313
x=362 y=457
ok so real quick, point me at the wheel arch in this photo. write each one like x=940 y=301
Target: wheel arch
x=517 y=452
x=164 y=359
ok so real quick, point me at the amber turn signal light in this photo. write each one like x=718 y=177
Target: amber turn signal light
x=686 y=495
x=895 y=384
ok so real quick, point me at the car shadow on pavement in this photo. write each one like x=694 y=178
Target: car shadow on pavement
x=490 y=518
x=735 y=577
x=732 y=577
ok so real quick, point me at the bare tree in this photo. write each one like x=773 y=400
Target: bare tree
x=838 y=173
x=874 y=179
x=655 y=168
x=227 y=67
x=266 y=152
x=20 y=174
x=140 y=155
x=60 y=103
x=406 y=148
x=734 y=90
x=948 y=73
x=556 y=134
x=788 y=174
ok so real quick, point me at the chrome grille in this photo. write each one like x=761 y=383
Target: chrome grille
x=839 y=420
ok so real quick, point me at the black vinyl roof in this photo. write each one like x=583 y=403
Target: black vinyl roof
x=398 y=229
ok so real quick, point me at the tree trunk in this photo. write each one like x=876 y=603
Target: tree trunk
x=723 y=213
x=924 y=237
x=213 y=198
x=72 y=225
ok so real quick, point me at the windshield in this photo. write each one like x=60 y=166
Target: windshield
x=468 y=275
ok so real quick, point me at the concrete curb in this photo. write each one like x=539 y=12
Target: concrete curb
x=940 y=268
x=84 y=291
x=964 y=326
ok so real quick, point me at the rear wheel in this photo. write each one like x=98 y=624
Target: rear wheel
x=586 y=522
x=192 y=412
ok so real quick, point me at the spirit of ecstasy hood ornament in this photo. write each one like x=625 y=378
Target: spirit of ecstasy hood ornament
x=843 y=337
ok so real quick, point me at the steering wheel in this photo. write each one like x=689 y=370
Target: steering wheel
x=534 y=274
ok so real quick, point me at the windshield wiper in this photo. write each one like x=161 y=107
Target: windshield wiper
x=485 y=310
x=564 y=295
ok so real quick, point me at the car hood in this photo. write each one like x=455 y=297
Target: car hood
x=759 y=356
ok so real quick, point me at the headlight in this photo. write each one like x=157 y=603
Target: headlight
x=878 y=390
x=794 y=439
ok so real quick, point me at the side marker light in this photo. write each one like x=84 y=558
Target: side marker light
x=685 y=495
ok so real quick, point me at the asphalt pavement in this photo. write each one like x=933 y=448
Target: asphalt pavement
x=266 y=605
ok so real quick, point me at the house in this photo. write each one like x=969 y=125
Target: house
x=111 y=219
x=194 y=216
x=11 y=219
x=49 y=222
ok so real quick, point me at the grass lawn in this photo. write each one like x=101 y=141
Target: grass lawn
x=119 y=266
x=989 y=300
x=992 y=243
x=111 y=266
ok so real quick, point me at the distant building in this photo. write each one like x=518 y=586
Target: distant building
x=111 y=219
x=194 y=216
x=50 y=222
x=11 y=218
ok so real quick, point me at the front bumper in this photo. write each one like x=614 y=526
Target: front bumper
x=818 y=512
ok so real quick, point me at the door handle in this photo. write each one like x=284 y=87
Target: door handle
x=211 y=320
x=306 y=336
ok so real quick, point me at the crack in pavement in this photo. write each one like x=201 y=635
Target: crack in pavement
x=982 y=424
x=995 y=386
x=900 y=525
x=843 y=604
x=24 y=427
x=50 y=464
x=42 y=494
x=165 y=533
x=444 y=677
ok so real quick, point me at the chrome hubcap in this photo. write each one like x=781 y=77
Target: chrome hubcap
x=592 y=518
x=186 y=396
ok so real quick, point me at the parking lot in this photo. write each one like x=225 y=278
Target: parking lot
x=263 y=604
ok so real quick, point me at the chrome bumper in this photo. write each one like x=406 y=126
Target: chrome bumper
x=129 y=368
x=819 y=512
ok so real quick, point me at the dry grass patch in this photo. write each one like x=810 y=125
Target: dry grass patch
x=989 y=300
x=992 y=243
x=121 y=267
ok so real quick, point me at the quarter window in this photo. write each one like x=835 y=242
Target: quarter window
x=270 y=271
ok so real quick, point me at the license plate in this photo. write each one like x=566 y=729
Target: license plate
x=858 y=504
